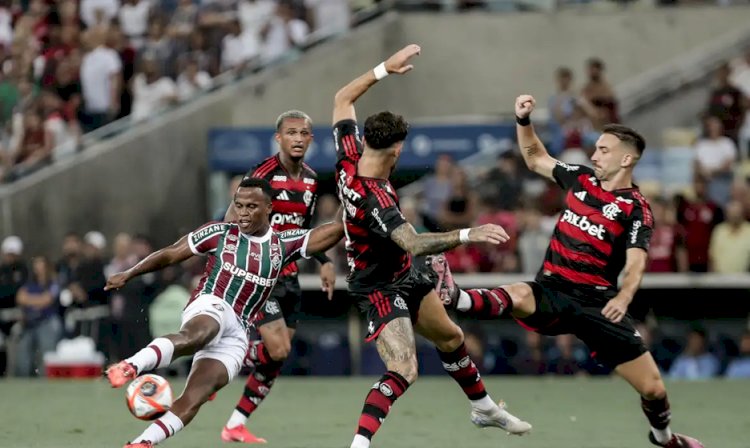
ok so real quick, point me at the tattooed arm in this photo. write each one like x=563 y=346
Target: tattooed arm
x=433 y=243
x=532 y=149
x=398 y=349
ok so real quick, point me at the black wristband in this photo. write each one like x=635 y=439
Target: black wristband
x=322 y=258
x=523 y=121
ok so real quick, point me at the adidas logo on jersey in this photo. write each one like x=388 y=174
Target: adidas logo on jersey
x=283 y=196
x=581 y=195
x=584 y=224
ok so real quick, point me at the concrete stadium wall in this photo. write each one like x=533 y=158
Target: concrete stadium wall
x=478 y=63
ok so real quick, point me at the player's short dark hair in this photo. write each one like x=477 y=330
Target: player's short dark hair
x=384 y=129
x=292 y=114
x=626 y=135
x=256 y=182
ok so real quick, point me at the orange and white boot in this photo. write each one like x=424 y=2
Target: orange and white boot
x=139 y=445
x=119 y=374
x=240 y=434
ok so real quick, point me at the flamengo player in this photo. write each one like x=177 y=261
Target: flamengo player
x=604 y=230
x=294 y=186
x=245 y=259
x=396 y=297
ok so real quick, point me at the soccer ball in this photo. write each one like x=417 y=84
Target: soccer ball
x=149 y=397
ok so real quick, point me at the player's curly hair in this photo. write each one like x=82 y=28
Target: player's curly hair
x=256 y=182
x=626 y=135
x=384 y=129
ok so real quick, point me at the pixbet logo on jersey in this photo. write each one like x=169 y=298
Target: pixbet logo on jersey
x=283 y=218
x=584 y=224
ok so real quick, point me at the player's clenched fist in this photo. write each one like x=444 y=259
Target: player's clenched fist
x=488 y=233
x=399 y=62
x=524 y=105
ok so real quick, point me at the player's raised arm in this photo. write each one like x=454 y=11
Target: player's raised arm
x=324 y=237
x=534 y=153
x=343 y=103
x=176 y=253
x=432 y=243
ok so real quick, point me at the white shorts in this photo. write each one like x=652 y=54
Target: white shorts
x=230 y=344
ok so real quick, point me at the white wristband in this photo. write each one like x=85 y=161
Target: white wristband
x=463 y=235
x=380 y=71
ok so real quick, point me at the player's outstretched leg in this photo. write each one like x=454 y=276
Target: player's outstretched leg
x=643 y=374
x=398 y=351
x=434 y=324
x=193 y=336
x=206 y=377
x=481 y=303
x=267 y=355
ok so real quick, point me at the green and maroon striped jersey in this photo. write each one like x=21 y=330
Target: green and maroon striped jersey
x=243 y=269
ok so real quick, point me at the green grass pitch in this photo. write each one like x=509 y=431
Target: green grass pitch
x=318 y=413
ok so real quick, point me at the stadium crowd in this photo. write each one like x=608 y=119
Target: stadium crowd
x=70 y=67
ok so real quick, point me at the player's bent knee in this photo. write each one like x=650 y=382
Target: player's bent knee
x=450 y=339
x=279 y=352
x=523 y=299
x=654 y=390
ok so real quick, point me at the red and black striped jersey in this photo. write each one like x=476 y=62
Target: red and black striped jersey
x=293 y=199
x=243 y=269
x=589 y=243
x=371 y=213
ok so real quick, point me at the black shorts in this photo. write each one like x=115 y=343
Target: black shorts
x=285 y=302
x=611 y=344
x=385 y=303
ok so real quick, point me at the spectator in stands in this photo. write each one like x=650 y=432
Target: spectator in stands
x=730 y=242
x=695 y=362
x=560 y=106
x=502 y=258
x=715 y=157
x=181 y=25
x=461 y=207
x=61 y=131
x=283 y=32
x=96 y=12
x=502 y=186
x=101 y=78
x=13 y=270
x=533 y=240
x=667 y=252
x=727 y=103
x=72 y=257
x=239 y=49
x=531 y=359
x=42 y=327
x=158 y=47
x=698 y=216
x=409 y=208
x=438 y=187
x=133 y=17
x=152 y=91
x=118 y=42
x=563 y=359
x=599 y=92
x=740 y=367
x=34 y=147
x=191 y=82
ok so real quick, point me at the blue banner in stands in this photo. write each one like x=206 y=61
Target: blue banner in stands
x=239 y=149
